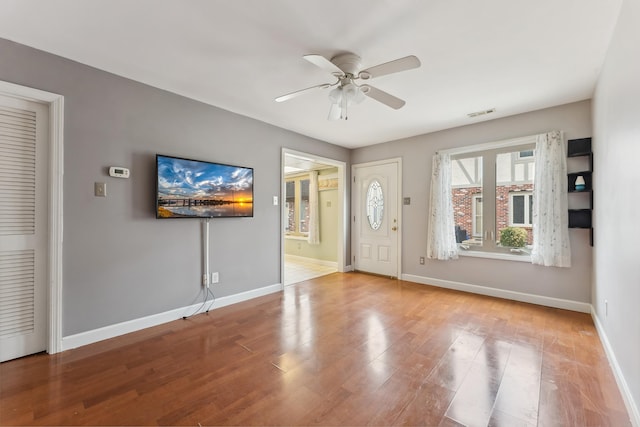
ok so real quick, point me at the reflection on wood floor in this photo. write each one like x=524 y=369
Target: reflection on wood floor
x=345 y=349
x=298 y=269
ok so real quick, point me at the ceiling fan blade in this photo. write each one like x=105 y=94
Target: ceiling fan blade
x=324 y=63
x=402 y=64
x=383 y=97
x=301 y=92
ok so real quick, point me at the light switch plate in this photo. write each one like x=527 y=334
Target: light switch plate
x=100 y=189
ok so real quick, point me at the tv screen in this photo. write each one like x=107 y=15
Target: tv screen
x=198 y=189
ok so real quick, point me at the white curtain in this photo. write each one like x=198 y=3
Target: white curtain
x=550 y=215
x=441 y=238
x=314 y=210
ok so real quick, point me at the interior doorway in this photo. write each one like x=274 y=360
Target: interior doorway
x=313 y=244
x=49 y=167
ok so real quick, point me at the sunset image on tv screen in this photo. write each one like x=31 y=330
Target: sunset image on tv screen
x=190 y=188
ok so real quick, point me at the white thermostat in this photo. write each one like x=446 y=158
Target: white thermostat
x=118 y=172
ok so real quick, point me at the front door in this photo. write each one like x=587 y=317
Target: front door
x=376 y=218
x=23 y=227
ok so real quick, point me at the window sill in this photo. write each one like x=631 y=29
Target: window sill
x=495 y=255
x=294 y=237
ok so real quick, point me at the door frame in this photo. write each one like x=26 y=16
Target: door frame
x=55 y=205
x=354 y=234
x=342 y=206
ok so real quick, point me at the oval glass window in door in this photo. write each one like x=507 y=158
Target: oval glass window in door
x=375 y=204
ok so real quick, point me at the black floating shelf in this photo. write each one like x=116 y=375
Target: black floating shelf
x=579 y=147
x=579 y=218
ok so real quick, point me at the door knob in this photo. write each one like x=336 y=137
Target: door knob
x=394 y=228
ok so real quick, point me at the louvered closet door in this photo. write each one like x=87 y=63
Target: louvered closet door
x=23 y=228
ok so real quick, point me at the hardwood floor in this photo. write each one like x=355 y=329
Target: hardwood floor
x=343 y=349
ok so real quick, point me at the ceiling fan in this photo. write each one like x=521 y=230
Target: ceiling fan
x=345 y=67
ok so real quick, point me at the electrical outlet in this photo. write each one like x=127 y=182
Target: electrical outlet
x=215 y=277
x=205 y=280
x=422 y=260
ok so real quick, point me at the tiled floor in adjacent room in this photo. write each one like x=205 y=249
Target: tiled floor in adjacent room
x=297 y=269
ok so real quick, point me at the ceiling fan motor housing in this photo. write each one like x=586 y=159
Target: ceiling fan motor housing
x=349 y=63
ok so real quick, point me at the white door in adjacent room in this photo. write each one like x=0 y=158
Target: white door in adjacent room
x=23 y=227
x=376 y=220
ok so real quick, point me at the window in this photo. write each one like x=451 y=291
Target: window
x=525 y=154
x=503 y=173
x=375 y=205
x=297 y=206
x=520 y=210
x=466 y=179
x=477 y=215
x=303 y=219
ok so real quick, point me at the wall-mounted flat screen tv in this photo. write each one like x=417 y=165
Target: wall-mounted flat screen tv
x=199 y=189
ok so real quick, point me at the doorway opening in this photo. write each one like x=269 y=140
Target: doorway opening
x=313 y=216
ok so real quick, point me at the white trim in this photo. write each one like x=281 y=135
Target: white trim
x=111 y=331
x=56 y=224
x=55 y=203
x=494 y=255
x=582 y=307
x=296 y=237
x=632 y=408
x=317 y=261
x=506 y=143
x=378 y=163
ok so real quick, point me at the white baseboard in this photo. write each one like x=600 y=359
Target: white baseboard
x=632 y=407
x=111 y=331
x=582 y=307
x=323 y=262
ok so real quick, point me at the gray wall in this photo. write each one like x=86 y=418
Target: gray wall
x=416 y=153
x=120 y=263
x=616 y=263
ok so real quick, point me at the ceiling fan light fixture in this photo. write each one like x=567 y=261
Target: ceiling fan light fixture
x=335 y=95
x=335 y=112
x=352 y=93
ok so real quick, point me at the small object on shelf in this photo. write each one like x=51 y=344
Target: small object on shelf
x=580 y=184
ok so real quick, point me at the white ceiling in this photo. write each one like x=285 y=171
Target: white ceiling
x=511 y=55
